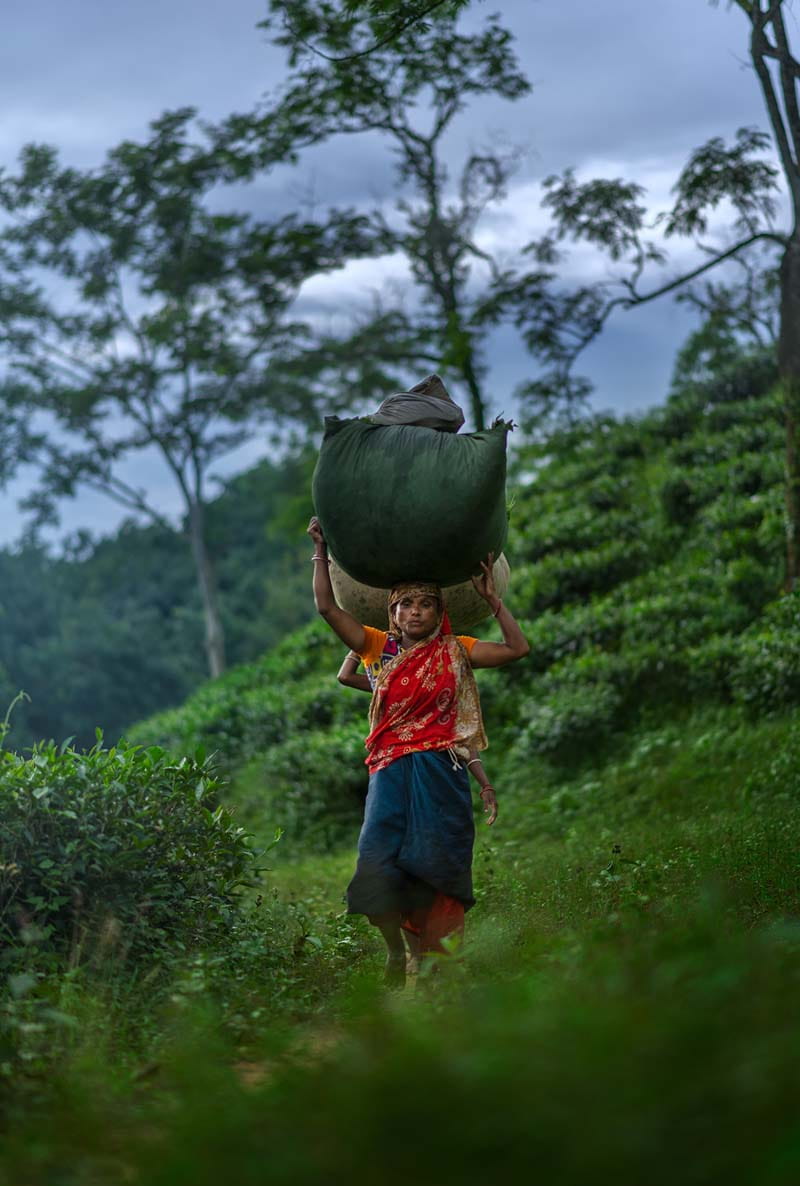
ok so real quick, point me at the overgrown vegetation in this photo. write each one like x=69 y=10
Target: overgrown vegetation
x=632 y=961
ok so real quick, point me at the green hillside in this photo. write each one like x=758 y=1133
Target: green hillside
x=646 y=567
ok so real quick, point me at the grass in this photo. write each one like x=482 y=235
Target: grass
x=625 y=1008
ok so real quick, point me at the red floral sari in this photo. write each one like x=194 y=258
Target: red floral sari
x=425 y=699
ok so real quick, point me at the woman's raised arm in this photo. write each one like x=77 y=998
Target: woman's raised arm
x=514 y=645
x=343 y=624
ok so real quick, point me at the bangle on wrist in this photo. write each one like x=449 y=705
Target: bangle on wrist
x=472 y=762
x=317 y=556
x=499 y=607
x=488 y=787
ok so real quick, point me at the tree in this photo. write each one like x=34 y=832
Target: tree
x=609 y=214
x=558 y=323
x=409 y=88
x=18 y=441
x=140 y=317
x=381 y=22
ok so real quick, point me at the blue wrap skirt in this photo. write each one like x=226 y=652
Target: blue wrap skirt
x=417 y=837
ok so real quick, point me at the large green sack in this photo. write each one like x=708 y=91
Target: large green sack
x=405 y=503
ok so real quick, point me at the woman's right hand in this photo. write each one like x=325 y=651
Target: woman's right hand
x=314 y=529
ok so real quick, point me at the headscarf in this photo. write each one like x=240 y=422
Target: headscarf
x=419 y=589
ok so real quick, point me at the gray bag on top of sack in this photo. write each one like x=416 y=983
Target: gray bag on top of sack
x=427 y=404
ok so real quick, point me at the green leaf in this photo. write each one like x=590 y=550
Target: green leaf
x=20 y=984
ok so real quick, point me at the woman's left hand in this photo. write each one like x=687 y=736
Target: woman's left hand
x=484 y=583
x=489 y=801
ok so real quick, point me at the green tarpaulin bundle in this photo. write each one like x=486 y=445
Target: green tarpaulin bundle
x=409 y=503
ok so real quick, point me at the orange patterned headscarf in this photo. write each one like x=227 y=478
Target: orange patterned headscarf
x=418 y=589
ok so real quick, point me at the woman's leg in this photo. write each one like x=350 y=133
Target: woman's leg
x=394 y=975
x=414 y=945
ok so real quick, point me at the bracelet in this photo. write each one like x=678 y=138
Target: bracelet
x=316 y=557
x=472 y=762
x=488 y=787
x=499 y=607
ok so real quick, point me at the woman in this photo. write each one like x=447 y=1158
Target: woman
x=414 y=870
x=350 y=677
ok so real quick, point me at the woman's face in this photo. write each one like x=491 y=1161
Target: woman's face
x=416 y=615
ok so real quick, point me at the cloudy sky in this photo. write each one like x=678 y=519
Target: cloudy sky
x=623 y=88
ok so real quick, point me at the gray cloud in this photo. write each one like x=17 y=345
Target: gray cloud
x=634 y=84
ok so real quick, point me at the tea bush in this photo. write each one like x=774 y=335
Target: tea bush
x=766 y=673
x=313 y=784
x=562 y=577
x=575 y=528
x=568 y=720
x=258 y=705
x=121 y=850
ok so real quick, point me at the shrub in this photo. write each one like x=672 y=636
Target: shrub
x=312 y=785
x=575 y=528
x=758 y=668
x=749 y=581
x=677 y=616
x=766 y=674
x=679 y=500
x=565 y=723
x=729 y=512
x=760 y=410
x=557 y=635
x=683 y=493
x=710 y=665
x=262 y=704
x=119 y=851
x=565 y=577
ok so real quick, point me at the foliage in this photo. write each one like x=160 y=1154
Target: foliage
x=633 y=928
x=766 y=673
x=112 y=630
x=409 y=90
x=318 y=812
x=284 y=739
x=356 y=29
x=142 y=318
x=119 y=853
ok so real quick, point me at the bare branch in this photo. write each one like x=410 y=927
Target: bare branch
x=636 y=298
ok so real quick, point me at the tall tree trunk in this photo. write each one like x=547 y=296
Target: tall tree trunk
x=460 y=355
x=475 y=393
x=215 y=638
x=789 y=371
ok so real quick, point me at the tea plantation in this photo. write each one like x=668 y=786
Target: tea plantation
x=186 y=1002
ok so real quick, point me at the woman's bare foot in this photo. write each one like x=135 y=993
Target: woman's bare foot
x=414 y=953
x=394 y=972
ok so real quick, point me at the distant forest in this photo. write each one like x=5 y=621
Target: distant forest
x=112 y=630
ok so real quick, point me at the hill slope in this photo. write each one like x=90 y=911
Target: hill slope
x=646 y=567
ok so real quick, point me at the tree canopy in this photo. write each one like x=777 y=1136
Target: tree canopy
x=410 y=91
x=141 y=316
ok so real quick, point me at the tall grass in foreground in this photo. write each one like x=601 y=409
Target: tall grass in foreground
x=625 y=1009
